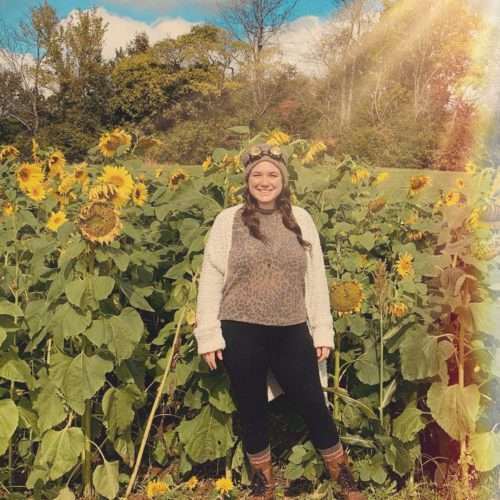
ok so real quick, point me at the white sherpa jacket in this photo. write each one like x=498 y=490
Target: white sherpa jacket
x=213 y=276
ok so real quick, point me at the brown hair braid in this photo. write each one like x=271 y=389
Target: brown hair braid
x=283 y=204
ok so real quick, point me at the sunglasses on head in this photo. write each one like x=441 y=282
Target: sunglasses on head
x=257 y=152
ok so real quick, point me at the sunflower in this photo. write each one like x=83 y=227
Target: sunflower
x=488 y=252
x=8 y=152
x=67 y=182
x=398 y=309
x=56 y=163
x=63 y=198
x=99 y=222
x=490 y=213
x=119 y=178
x=314 y=149
x=451 y=198
x=7 y=208
x=34 y=149
x=80 y=174
x=139 y=194
x=459 y=183
x=418 y=183
x=470 y=168
x=346 y=297
x=37 y=192
x=403 y=265
x=224 y=485
x=376 y=205
x=56 y=220
x=192 y=482
x=29 y=175
x=359 y=174
x=383 y=176
x=147 y=143
x=111 y=141
x=206 y=164
x=278 y=137
x=415 y=235
x=175 y=177
x=413 y=217
x=156 y=488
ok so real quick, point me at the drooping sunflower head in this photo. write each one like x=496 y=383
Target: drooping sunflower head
x=398 y=309
x=147 y=143
x=383 y=176
x=56 y=162
x=415 y=235
x=111 y=141
x=140 y=194
x=314 y=149
x=99 y=222
x=418 y=183
x=490 y=213
x=177 y=176
x=37 y=192
x=277 y=137
x=119 y=178
x=29 y=175
x=346 y=297
x=403 y=265
x=8 y=152
x=359 y=174
x=376 y=205
x=56 y=220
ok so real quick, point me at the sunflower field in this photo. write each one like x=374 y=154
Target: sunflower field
x=101 y=386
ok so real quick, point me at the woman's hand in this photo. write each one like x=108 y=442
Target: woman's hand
x=322 y=353
x=209 y=358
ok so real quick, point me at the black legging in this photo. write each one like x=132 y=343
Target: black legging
x=289 y=352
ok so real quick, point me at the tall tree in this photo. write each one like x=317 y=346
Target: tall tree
x=256 y=22
x=24 y=54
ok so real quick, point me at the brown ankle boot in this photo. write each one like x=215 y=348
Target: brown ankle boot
x=340 y=472
x=262 y=478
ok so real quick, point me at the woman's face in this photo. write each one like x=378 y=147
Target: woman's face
x=265 y=184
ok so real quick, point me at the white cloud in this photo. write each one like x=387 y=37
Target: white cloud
x=121 y=30
x=298 y=40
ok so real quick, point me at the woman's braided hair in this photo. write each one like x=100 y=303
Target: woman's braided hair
x=283 y=204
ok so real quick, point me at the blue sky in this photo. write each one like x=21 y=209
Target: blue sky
x=149 y=10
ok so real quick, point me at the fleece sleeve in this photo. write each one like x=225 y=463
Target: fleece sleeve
x=321 y=321
x=208 y=331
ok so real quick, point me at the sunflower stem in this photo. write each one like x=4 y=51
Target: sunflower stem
x=159 y=393
x=381 y=372
x=336 y=377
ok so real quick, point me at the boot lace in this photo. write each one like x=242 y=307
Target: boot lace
x=345 y=478
x=259 y=483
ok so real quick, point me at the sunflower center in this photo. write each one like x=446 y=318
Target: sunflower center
x=117 y=180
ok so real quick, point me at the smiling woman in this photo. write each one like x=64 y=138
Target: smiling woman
x=263 y=310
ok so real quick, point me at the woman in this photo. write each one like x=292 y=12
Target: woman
x=263 y=310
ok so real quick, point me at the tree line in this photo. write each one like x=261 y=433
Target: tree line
x=397 y=88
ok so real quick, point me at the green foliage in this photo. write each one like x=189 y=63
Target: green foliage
x=85 y=329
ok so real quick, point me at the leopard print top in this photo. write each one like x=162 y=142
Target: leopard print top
x=265 y=283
